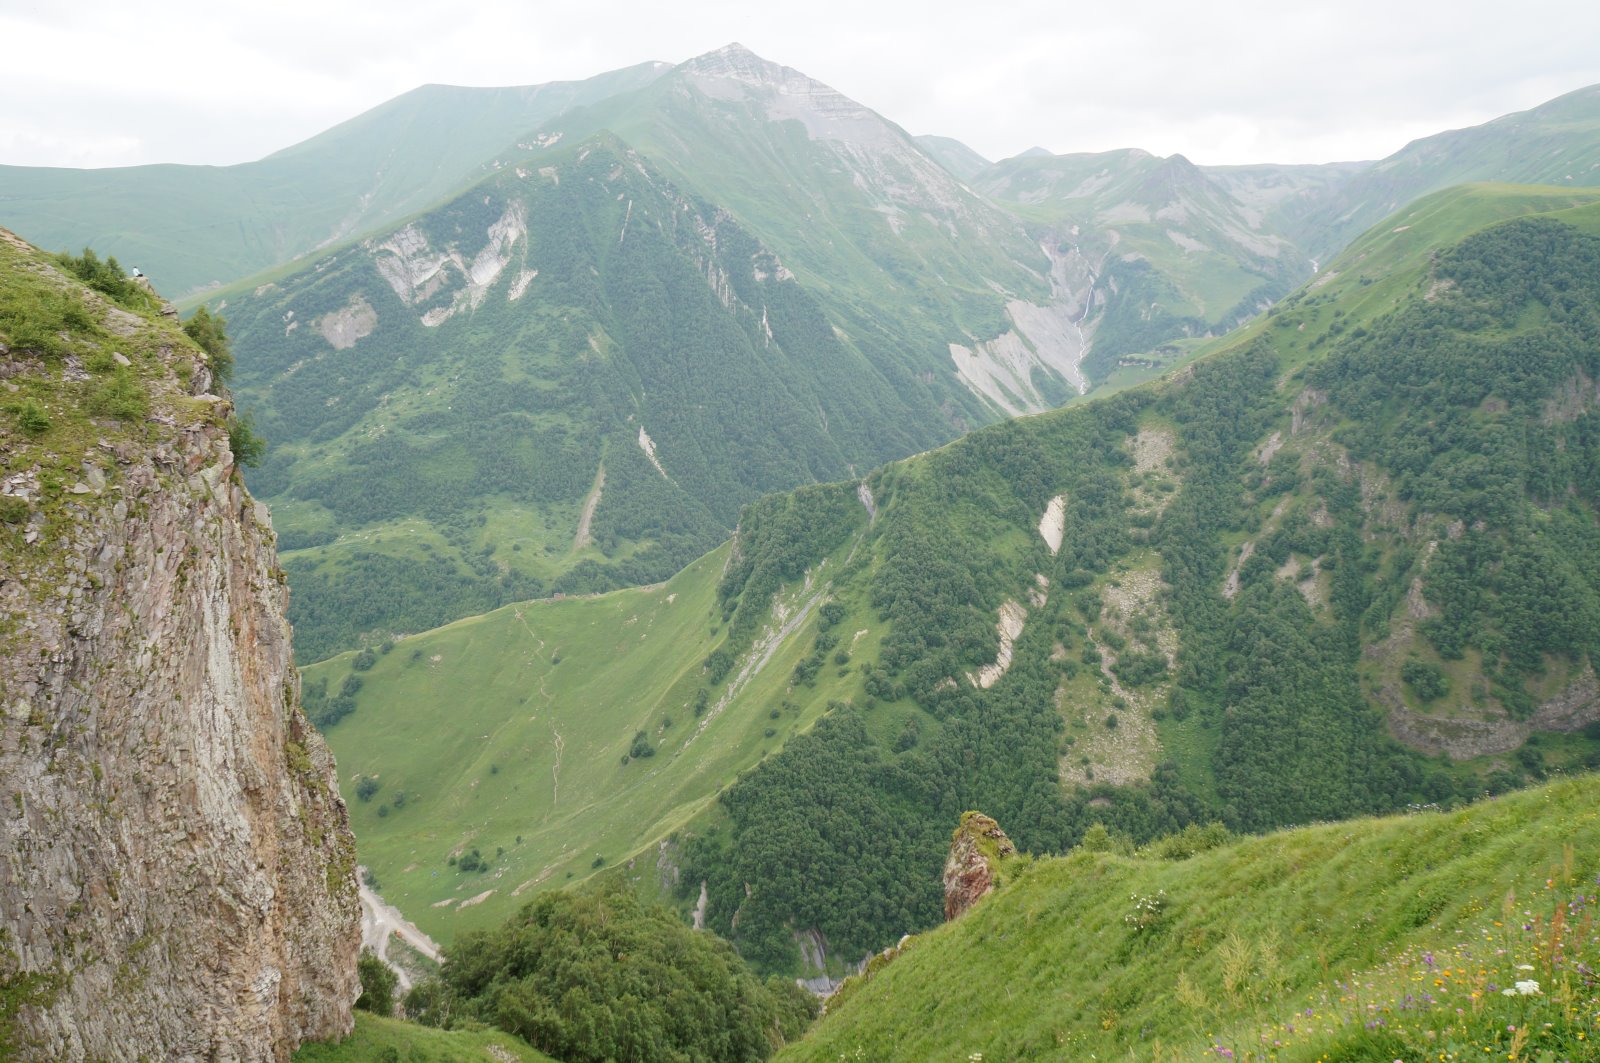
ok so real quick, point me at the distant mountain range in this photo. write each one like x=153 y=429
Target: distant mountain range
x=448 y=400
x=194 y=228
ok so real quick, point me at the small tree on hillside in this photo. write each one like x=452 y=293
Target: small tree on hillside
x=209 y=332
x=378 y=981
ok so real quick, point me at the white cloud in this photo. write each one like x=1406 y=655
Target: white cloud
x=101 y=83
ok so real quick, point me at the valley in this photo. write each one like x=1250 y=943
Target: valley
x=693 y=495
x=1119 y=572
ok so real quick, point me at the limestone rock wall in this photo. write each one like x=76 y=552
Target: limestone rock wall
x=177 y=875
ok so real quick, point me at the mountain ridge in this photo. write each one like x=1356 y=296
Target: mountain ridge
x=180 y=223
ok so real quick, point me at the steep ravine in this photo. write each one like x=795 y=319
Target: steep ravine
x=177 y=875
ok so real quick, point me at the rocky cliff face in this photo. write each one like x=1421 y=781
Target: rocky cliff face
x=972 y=870
x=177 y=876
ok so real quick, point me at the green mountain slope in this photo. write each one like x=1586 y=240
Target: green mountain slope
x=924 y=276
x=1347 y=563
x=570 y=378
x=1372 y=940
x=193 y=227
x=1556 y=143
x=556 y=737
x=1293 y=586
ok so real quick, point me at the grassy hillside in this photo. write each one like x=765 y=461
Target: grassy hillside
x=1346 y=564
x=90 y=362
x=192 y=227
x=378 y=1040
x=570 y=378
x=554 y=738
x=1374 y=939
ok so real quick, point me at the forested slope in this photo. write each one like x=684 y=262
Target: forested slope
x=1277 y=592
x=569 y=378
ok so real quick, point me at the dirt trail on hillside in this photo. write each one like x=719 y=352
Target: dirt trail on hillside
x=559 y=745
x=590 y=504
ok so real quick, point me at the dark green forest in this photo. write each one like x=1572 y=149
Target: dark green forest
x=595 y=975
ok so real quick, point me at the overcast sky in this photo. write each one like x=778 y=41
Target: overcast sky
x=101 y=83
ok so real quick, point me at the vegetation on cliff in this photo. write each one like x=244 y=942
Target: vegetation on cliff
x=149 y=694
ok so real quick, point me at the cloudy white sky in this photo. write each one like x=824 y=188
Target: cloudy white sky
x=121 y=82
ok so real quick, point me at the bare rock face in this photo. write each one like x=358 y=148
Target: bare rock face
x=177 y=874
x=972 y=869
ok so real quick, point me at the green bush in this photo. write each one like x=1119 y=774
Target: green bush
x=594 y=976
x=32 y=418
x=105 y=276
x=1427 y=681
x=378 y=981
x=122 y=396
x=209 y=332
x=248 y=447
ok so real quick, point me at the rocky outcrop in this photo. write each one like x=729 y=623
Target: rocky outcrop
x=972 y=870
x=177 y=875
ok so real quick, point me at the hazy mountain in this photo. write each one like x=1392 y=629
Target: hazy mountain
x=190 y=227
x=1281 y=197
x=733 y=347
x=953 y=155
x=569 y=378
x=1165 y=252
x=1556 y=143
x=928 y=279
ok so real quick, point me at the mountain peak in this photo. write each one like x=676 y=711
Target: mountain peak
x=734 y=72
x=735 y=60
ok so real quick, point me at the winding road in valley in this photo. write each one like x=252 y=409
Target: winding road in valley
x=379 y=920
